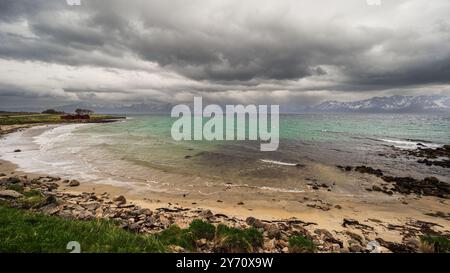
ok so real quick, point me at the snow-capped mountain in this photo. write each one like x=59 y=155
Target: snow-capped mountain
x=394 y=104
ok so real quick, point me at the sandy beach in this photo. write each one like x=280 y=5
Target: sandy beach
x=322 y=206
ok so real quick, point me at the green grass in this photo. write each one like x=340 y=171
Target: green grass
x=440 y=244
x=15 y=187
x=300 y=244
x=30 y=197
x=22 y=231
x=238 y=240
x=227 y=239
x=41 y=118
x=201 y=229
x=174 y=235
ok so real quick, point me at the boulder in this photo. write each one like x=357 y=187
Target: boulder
x=253 y=222
x=356 y=248
x=74 y=183
x=10 y=194
x=412 y=243
x=12 y=180
x=376 y=188
x=206 y=214
x=120 y=200
x=273 y=231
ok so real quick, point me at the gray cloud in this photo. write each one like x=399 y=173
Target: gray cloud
x=311 y=49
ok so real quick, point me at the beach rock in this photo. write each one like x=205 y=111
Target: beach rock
x=17 y=150
x=10 y=180
x=326 y=236
x=253 y=222
x=50 y=199
x=135 y=227
x=273 y=231
x=430 y=186
x=2 y=174
x=120 y=200
x=355 y=237
x=176 y=249
x=10 y=194
x=355 y=248
x=74 y=183
x=200 y=243
x=206 y=214
x=395 y=247
x=165 y=221
x=270 y=245
x=376 y=188
x=66 y=214
x=51 y=186
x=412 y=243
x=91 y=205
x=50 y=209
x=351 y=222
x=369 y=170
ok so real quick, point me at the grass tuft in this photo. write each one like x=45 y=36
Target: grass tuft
x=300 y=244
x=201 y=229
x=439 y=244
x=236 y=240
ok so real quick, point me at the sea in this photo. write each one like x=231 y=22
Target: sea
x=139 y=151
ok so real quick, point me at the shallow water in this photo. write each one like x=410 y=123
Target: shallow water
x=140 y=152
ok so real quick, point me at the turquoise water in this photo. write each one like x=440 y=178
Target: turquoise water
x=326 y=139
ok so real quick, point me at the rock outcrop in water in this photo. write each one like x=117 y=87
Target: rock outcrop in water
x=430 y=186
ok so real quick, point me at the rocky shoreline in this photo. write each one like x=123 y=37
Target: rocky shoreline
x=52 y=198
x=429 y=186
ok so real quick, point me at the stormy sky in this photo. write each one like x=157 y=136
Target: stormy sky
x=245 y=51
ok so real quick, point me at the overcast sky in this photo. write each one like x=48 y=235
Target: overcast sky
x=280 y=51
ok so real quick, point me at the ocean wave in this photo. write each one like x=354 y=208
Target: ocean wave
x=278 y=162
x=409 y=144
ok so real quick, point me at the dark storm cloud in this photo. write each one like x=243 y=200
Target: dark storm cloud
x=220 y=46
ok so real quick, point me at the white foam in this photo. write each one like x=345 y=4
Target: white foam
x=278 y=162
x=54 y=151
x=409 y=145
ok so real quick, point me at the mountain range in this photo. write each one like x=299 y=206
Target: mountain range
x=392 y=104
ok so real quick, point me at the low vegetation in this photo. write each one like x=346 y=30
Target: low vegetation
x=300 y=244
x=15 y=118
x=22 y=231
x=224 y=238
x=238 y=240
x=436 y=244
x=25 y=231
